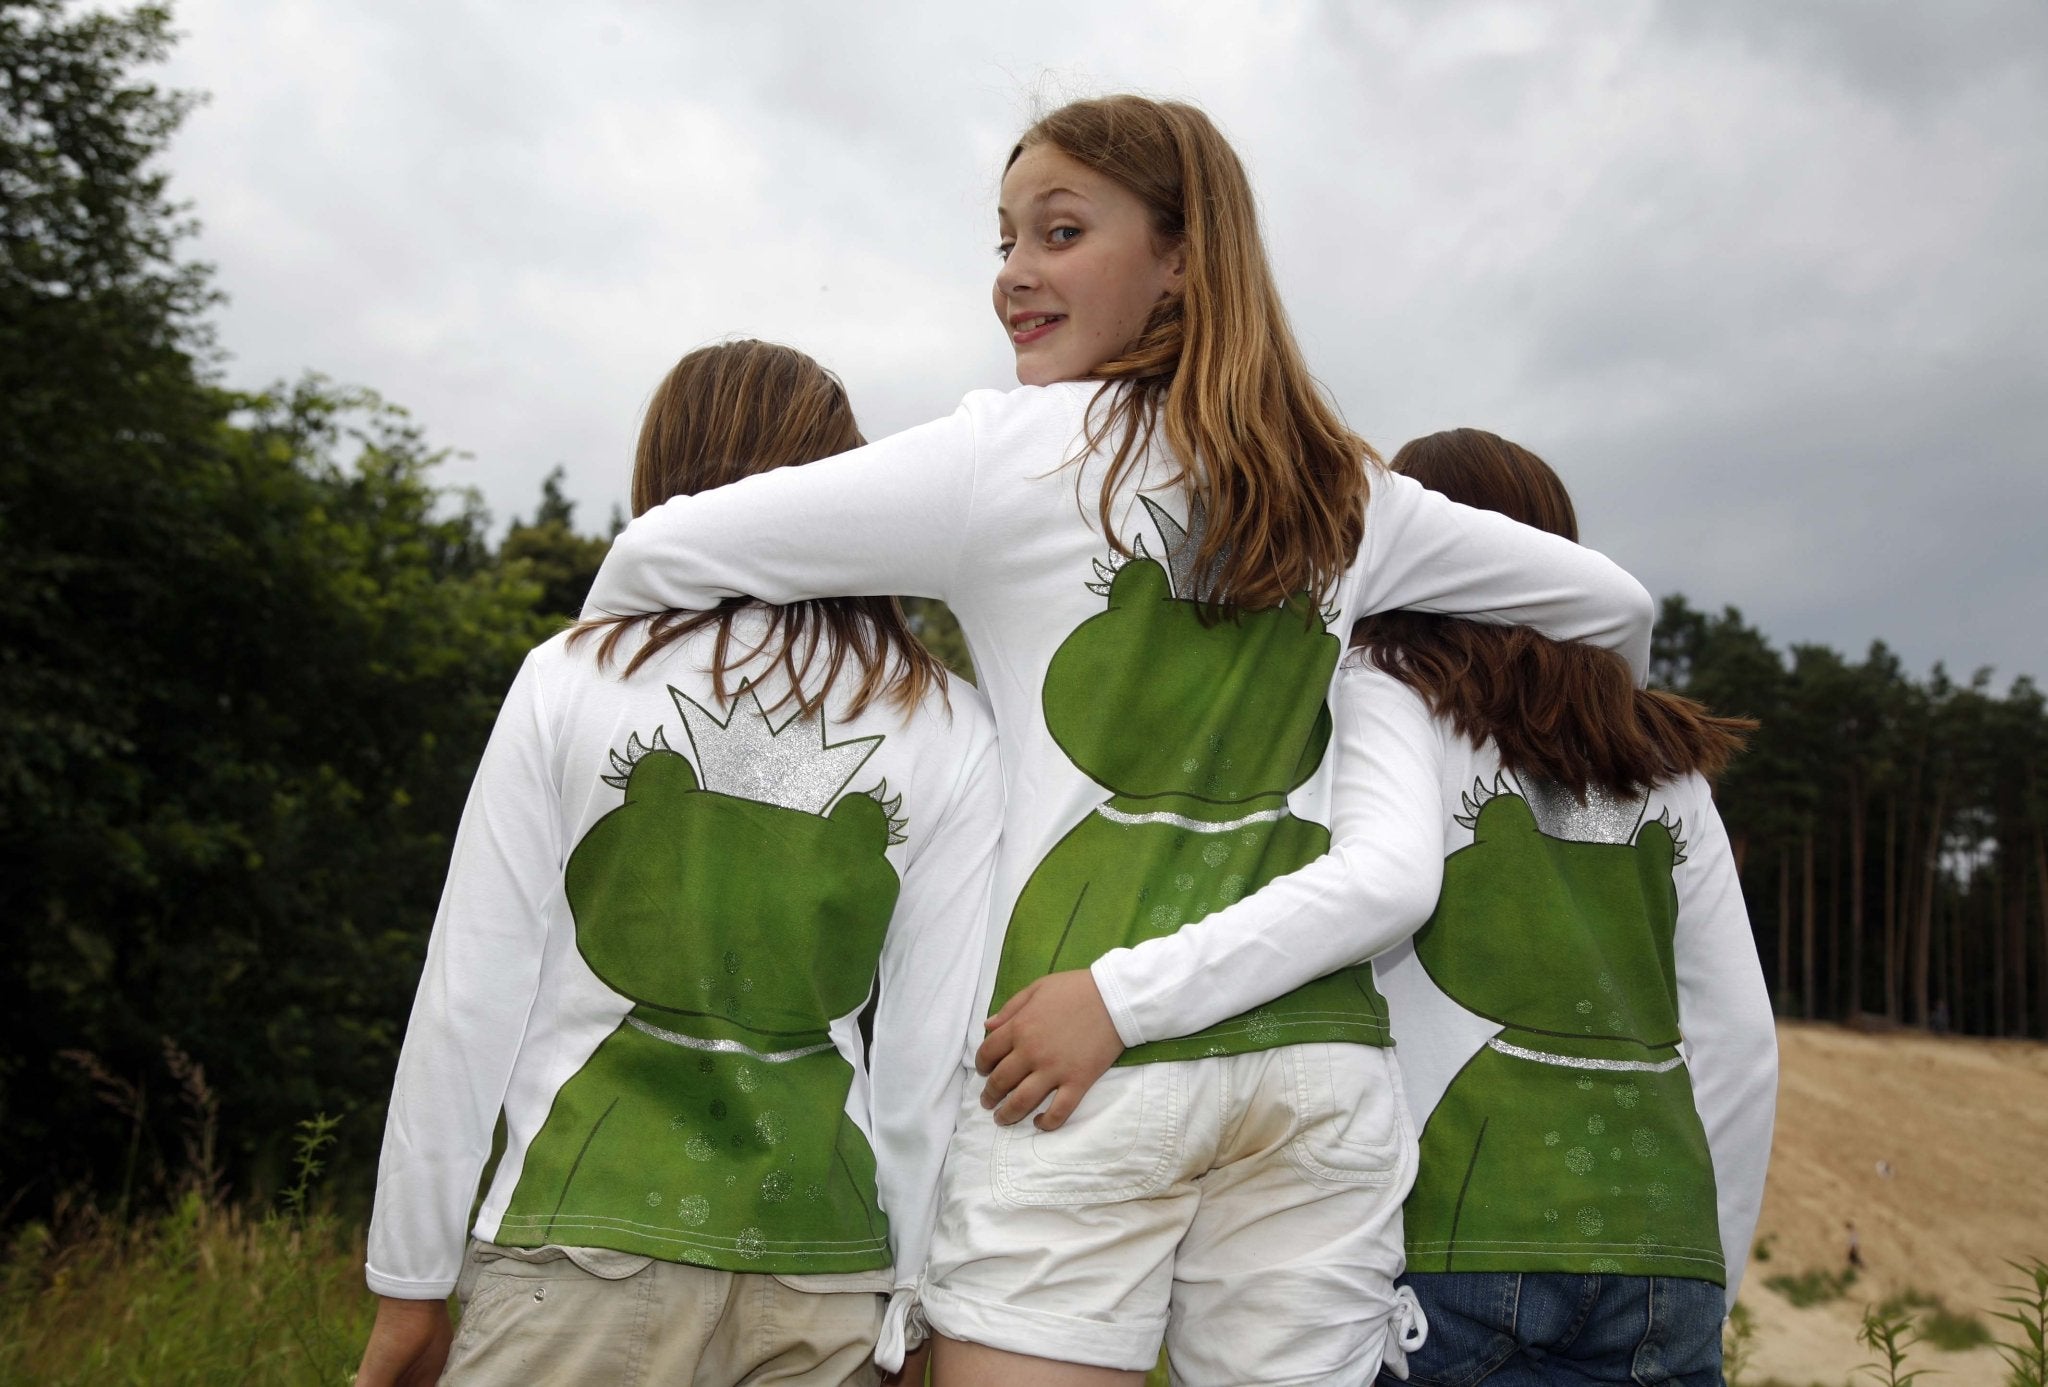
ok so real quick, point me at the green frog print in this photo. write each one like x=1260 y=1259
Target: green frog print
x=1198 y=721
x=739 y=904
x=1570 y=1141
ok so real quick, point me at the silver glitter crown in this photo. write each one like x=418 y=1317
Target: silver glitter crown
x=1602 y=817
x=747 y=756
x=1182 y=544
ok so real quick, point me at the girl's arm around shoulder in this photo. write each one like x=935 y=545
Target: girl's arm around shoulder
x=1374 y=887
x=1425 y=551
x=930 y=980
x=481 y=975
x=892 y=517
x=1724 y=1013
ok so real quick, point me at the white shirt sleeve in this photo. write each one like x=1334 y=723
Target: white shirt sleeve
x=1375 y=886
x=1724 y=1013
x=1425 y=551
x=930 y=975
x=892 y=517
x=482 y=973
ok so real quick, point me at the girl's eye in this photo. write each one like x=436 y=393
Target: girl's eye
x=1003 y=249
x=1063 y=235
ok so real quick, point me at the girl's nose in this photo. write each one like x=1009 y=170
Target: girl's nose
x=1015 y=275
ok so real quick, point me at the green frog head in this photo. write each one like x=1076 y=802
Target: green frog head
x=1558 y=918
x=730 y=889
x=1160 y=694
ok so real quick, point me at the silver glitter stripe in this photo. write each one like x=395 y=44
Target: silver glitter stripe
x=726 y=1047
x=1575 y=1062
x=1162 y=816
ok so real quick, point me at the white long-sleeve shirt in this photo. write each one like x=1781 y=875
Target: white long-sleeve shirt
x=512 y=1009
x=978 y=509
x=1406 y=788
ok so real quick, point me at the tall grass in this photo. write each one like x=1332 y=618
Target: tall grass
x=199 y=1295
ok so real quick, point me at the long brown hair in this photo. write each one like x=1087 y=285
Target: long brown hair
x=1564 y=711
x=1281 y=478
x=725 y=412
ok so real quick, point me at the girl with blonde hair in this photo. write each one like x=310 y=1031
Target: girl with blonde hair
x=1151 y=548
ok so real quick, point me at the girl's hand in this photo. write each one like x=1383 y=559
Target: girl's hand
x=408 y=1344
x=1054 y=1037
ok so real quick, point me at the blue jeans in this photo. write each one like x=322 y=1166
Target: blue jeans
x=1549 y=1329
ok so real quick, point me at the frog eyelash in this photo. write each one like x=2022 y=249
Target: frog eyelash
x=1475 y=799
x=635 y=749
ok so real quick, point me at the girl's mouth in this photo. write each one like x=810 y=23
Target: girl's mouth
x=1032 y=326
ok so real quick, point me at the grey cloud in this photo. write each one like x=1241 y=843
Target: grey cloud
x=1762 y=279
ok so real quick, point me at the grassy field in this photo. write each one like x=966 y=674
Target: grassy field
x=203 y=1295
x=200 y=1295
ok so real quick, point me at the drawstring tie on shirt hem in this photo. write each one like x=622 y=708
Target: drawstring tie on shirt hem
x=903 y=1329
x=1408 y=1330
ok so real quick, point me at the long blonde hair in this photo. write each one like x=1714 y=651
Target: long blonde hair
x=728 y=411
x=1281 y=478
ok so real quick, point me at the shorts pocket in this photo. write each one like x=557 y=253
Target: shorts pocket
x=481 y=1293
x=1123 y=1142
x=1352 y=1125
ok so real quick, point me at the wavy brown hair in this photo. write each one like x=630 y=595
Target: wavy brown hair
x=1216 y=367
x=1564 y=711
x=725 y=412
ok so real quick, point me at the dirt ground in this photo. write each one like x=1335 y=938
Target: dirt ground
x=1937 y=1149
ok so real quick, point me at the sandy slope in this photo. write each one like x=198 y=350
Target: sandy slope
x=1963 y=1126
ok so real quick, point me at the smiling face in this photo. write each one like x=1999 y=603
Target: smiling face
x=1082 y=267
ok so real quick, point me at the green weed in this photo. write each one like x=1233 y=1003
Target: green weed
x=1815 y=1287
x=1945 y=1329
x=1889 y=1336
x=195 y=1295
x=2027 y=1359
x=1738 y=1345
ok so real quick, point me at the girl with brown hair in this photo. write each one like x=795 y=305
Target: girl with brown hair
x=1151 y=548
x=1585 y=1030
x=710 y=936
x=1585 y=1037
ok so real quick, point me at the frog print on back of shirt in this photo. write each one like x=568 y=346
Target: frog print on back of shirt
x=740 y=904
x=1570 y=1141
x=1199 y=723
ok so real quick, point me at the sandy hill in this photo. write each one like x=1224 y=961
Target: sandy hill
x=1937 y=1149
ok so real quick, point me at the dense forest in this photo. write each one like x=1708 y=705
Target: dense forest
x=250 y=651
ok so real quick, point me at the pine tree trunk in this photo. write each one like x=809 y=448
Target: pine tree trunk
x=1994 y=933
x=1891 y=911
x=1806 y=990
x=1832 y=974
x=1856 y=854
x=2041 y=953
x=1928 y=869
x=1784 y=990
x=2016 y=935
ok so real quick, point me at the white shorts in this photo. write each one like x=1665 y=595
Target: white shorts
x=1247 y=1209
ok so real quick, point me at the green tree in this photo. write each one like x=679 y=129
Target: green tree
x=250 y=657
x=560 y=560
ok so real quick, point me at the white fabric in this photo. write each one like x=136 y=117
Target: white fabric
x=507 y=1010
x=1254 y=1198
x=977 y=509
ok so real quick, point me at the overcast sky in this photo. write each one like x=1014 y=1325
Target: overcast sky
x=1766 y=280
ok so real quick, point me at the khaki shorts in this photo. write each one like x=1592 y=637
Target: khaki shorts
x=553 y=1315
x=1246 y=1209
